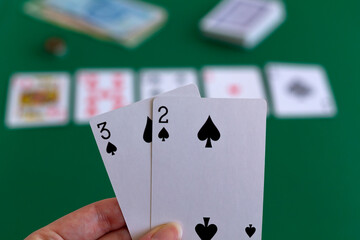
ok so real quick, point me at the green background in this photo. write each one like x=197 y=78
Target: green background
x=312 y=165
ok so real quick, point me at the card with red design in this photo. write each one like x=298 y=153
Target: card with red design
x=233 y=82
x=38 y=99
x=100 y=91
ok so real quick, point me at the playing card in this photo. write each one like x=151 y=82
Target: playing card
x=119 y=17
x=300 y=91
x=124 y=139
x=100 y=91
x=156 y=81
x=244 y=22
x=39 y=10
x=233 y=82
x=127 y=22
x=38 y=99
x=208 y=166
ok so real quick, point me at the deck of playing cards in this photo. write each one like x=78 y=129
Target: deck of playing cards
x=127 y=22
x=243 y=22
x=196 y=161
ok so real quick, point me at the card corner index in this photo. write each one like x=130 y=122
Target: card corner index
x=94 y=121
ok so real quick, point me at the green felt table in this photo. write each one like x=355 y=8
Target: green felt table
x=312 y=165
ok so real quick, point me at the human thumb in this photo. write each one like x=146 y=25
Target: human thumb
x=169 y=231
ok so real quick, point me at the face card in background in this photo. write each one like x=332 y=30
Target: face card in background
x=156 y=81
x=124 y=139
x=38 y=99
x=100 y=91
x=208 y=166
x=233 y=82
x=300 y=90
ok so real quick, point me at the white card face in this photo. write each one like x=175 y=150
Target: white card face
x=246 y=21
x=233 y=82
x=124 y=139
x=208 y=166
x=156 y=81
x=100 y=91
x=38 y=99
x=300 y=91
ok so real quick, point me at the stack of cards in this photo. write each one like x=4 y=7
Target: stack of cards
x=125 y=21
x=243 y=22
x=193 y=160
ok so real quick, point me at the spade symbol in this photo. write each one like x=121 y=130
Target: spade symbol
x=111 y=148
x=250 y=230
x=147 y=136
x=206 y=232
x=208 y=132
x=163 y=134
x=299 y=89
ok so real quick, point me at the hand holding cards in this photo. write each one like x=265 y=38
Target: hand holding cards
x=196 y=161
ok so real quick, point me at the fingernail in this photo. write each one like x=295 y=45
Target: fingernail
x=170 y=231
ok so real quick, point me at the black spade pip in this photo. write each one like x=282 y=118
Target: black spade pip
x=206 y=231
x=299 y=89
x=250 y=230
x=163 y=134
x=147 y=136
x=111 y=148
x=208 y=132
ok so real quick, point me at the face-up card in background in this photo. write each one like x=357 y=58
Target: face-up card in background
x=208 y=166
x=156 y=81
x=100 y=91
x=300 y=90
x=233 y=82
x=38 y=99
x=124 y=139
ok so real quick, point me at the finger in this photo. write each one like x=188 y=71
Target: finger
x=87 y=223
x=121 y=234
x=170 y=231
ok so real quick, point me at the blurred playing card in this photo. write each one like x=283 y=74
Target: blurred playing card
x=233 y=82
x=124 y=21
x=300 y=90
x=244 y=22
x=100 y=91
x=38 y=99
x=156 y=81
